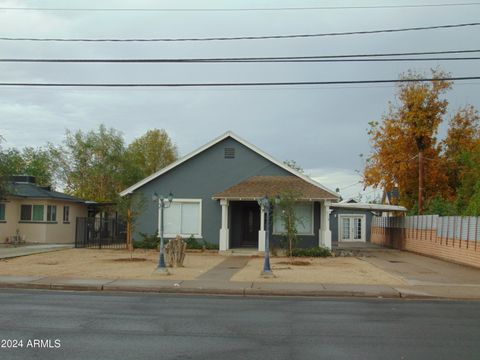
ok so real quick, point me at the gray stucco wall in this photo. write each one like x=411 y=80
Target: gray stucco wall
x=334 y=221
x=200 y=178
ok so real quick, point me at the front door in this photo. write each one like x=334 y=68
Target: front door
x=250 y=225
x=352 y=228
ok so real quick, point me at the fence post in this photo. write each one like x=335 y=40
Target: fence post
x=461 y=233
x=448 y=230
x=468 y=231
x=476 y=233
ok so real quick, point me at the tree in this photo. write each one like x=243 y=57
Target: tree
x=406 y=137
x=151 y=152
x=285 y=211
x=293 y=164
x=39 y=162
x=93 y=163
x=460 y=148
x=130 y=207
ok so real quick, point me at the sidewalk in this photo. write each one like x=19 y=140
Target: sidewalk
x=211 y=287
x=7 y=252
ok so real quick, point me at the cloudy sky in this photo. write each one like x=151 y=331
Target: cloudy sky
x=323 y=128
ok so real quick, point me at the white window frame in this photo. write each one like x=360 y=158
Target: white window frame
x=340 y=227
x=195 y=201
x=312 y=233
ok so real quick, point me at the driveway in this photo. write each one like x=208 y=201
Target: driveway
x=16 y=251
x=421 y=270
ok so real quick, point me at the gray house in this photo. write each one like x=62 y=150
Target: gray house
x=216 y=189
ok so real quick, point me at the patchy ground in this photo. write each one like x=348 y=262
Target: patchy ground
x=106 y=264
x=339 y=270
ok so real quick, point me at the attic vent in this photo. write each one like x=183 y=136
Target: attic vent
x=229 y=153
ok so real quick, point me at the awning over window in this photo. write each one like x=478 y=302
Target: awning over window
x=256 y=187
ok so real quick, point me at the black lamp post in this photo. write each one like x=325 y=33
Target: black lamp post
x=265 y=206
x=163 y=203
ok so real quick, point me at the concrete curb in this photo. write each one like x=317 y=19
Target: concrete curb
x=226 y=289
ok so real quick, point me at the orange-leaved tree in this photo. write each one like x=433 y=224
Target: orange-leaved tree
x=404 y=143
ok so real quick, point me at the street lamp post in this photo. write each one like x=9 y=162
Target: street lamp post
x=162 y=204
x=264 y=203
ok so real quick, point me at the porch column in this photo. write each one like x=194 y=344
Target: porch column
x=325 y=235
x=224 y=231
x=261 y=232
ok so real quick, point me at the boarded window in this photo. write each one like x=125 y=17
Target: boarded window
x=304 y=215
x=183 y=217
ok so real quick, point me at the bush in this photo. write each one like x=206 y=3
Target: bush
x=193 y=243
x=147 y=242
x=312 y=252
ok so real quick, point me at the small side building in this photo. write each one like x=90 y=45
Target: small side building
x=350 y=222
x=36 y=214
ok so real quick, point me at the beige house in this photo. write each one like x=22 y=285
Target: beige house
x=36 y=214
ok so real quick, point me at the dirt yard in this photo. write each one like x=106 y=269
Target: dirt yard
x=339 y=270
x=105 y=264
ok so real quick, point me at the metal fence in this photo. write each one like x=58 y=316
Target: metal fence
x=442 y=227
x=100 y=233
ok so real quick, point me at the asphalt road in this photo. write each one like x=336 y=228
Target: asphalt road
x=152 y=326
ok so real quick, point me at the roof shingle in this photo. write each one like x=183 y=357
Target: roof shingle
x=256 y=187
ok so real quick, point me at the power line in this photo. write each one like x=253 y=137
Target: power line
x=262 y=37
x=341 y=56
x=242 y=9
x=238 y=60
x=286 y=83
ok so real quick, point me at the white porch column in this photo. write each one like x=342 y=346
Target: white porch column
x=325 y=235
x=224 y=231
x=261 y=232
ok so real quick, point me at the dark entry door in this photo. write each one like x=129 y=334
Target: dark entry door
x=250 y=225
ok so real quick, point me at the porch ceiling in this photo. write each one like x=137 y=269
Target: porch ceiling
x=256 y=187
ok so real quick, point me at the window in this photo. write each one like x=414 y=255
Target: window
x=304 y=215
x=183 y=217
x=2 y=212
x=51 y=213
x=66 y=214
x=31 y=213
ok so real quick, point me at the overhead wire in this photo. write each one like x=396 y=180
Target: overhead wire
x=235 y=84
x=235 y=38
x=293 y=8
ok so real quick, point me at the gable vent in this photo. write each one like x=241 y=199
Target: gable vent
x=229 y=153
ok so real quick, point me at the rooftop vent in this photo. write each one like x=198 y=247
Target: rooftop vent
x=229 y=153
x=24 y=179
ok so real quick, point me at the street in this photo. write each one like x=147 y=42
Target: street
x=154 y=326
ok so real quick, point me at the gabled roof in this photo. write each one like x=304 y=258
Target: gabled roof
x=256 y=187
x=228 y=134
x=29 y=190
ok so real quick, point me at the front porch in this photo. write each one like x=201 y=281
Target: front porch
x=243 y=222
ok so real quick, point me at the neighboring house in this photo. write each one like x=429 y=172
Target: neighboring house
x=36 y=214
x=351 y=221
x=216 y=188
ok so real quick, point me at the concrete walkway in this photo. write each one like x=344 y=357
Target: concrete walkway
x=24 y=250
x=226 y=269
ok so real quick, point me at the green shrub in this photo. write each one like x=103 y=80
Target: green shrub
x=193 y=243
x=312 y=252
x=147 y=241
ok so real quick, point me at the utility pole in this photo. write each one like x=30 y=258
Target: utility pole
x=421 y=173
